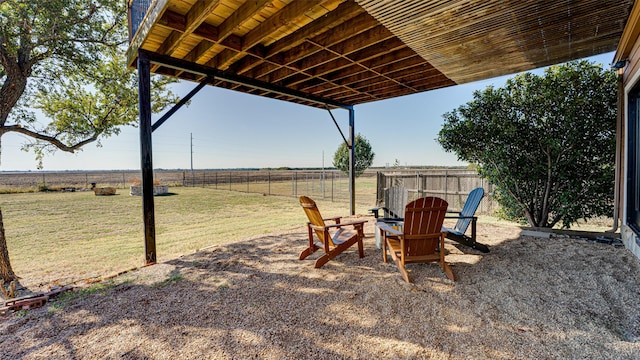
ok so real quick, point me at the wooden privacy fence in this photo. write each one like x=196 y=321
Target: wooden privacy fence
x=452 y=185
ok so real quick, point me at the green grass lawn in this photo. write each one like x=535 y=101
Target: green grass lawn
x=72 y=236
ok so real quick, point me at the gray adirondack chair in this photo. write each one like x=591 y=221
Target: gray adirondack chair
x=395 y=199
x=466 y=217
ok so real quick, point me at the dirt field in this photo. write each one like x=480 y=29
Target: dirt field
x=529 y=298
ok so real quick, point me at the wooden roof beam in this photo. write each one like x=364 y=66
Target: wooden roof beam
x=341 y=50
x=199 y=50
x=405 y=81
x=283 y=17
x=395 y=91
x=176 y=22
x=355 y=26
x=193 y=19
x=240 y=16
x=173 y=20
x=421 y=86
x=292 y=72
x=389 y=63
x=368 y=76
x=376 y=84
x=199 y=13
x=334 y=66
x=377 y=35
x=344 y=12
x=373 y=51
x=190 y=23
x=381 y=63
x=170 y=42
x=225 y=30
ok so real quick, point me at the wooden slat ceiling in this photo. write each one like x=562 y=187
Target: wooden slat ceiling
x=351 y=52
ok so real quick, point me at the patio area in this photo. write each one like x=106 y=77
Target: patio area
x=530 y=297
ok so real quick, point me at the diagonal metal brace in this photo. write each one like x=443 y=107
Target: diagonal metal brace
x=338 y=126
x=207 y=80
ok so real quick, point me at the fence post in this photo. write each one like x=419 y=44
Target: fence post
x=333 y=175
x=446 y=183
x=482 y=202
x=460 y=201
x=269 y=182
x=323 y=183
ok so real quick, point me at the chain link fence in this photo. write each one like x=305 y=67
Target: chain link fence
x=333 y=185
x=320 y=184
x=330 y=185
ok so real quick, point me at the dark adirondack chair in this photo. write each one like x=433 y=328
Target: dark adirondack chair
x=466 y=217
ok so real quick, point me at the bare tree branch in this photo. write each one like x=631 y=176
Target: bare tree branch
x=48 y=138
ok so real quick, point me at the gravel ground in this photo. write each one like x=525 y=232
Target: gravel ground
x=529 y=298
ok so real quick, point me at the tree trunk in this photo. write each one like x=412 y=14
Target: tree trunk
x=530 y=218
x=6 y=272
x=15 y=83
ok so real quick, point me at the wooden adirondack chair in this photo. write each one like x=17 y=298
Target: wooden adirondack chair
x=421 y=239
x=332 y=238
x=466 y=217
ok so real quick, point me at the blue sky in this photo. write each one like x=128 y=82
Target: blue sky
x=234 y=130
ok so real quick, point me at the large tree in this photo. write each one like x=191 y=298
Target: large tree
x=363 y=156
x=546 y=142
x=66 y=59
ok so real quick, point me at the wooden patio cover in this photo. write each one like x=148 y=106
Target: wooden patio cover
x=351 y=52
x=340 y=53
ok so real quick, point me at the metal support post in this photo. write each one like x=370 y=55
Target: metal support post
x=144 y=103
x=352 y=162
